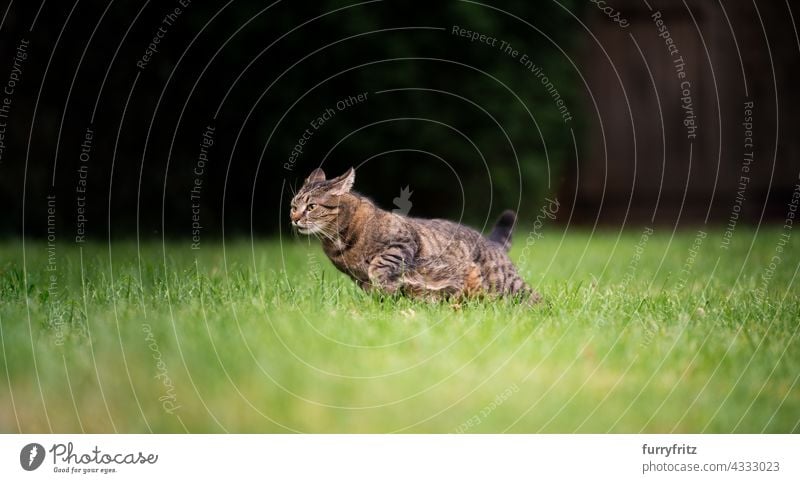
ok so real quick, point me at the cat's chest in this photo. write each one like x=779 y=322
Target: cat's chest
x=349 y=259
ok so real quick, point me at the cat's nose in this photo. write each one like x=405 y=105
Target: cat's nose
x=295 y=215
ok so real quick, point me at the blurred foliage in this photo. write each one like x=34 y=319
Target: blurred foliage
x=423 y=123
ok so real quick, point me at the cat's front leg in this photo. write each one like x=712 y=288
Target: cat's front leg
x=386 y=269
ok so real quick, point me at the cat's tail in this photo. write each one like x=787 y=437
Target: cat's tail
x=501 y=233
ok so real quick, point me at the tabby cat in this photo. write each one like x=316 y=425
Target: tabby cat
x=391 y=253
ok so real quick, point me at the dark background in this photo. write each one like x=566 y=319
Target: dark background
x=466 y=127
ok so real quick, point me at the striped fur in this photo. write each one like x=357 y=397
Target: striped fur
x=420 y=258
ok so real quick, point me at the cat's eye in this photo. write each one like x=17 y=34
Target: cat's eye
x=311 y=206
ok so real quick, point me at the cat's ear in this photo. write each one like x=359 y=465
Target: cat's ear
x=316 y=176
x=342 y=184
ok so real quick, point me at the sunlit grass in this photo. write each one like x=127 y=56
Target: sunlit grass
x=635 y=336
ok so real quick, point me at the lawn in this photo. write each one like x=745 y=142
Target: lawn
x=661 y=332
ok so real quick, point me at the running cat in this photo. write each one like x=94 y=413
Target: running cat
x=420 y=258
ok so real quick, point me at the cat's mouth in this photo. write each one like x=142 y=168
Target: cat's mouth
x=308 y=229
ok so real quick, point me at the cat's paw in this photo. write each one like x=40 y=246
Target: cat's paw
x=366 y=286
x=535 y=300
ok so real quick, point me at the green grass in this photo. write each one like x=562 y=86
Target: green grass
x=270 y=338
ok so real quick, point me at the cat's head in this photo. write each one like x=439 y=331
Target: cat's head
x=316 y=206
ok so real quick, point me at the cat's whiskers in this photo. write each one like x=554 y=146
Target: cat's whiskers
x=333 y=237
x=325 y=233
